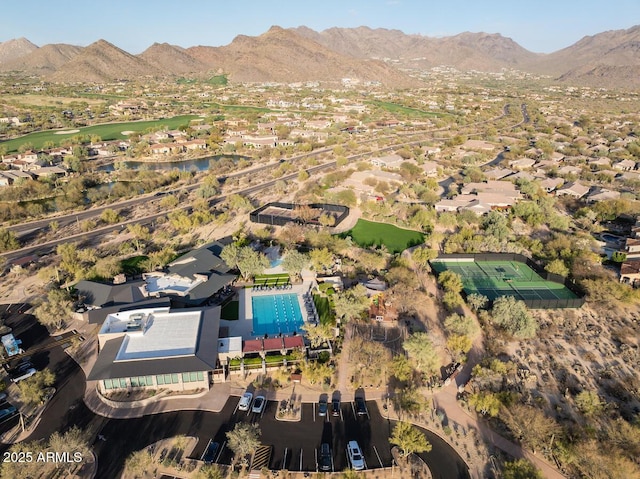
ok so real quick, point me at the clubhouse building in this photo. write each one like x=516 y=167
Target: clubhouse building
x=158 y=349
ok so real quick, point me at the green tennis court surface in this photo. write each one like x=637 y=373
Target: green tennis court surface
x=494 y=279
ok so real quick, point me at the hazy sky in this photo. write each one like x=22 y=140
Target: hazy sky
x=538 y=25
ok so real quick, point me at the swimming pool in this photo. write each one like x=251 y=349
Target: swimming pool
x=276 y=313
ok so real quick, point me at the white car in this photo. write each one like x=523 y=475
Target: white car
x=23 y=374
x=245 y=401
x=258 y=404
x=355 y=456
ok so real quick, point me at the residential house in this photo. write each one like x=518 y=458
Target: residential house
x=574 y=189
x=478 y=145
x=625 y=165
x=522 y=163
x=318 y=124
x=505 y=188
x=45 y=171
x=599 y=163
x=254 y=141
x=165 y=148
x=569 y=170
x=550 y=184
x=316 y=135
x=630 y=272
x=602 y=194
x=197 y=144
x=497 y=173
x=628 y=176
x=430 y=168
x=9 y=177
x=391 y=162
x=632 y=248
x=524 y=175
x=479 y=202
x=366 y=182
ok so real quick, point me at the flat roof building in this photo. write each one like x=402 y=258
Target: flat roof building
x=157 y=348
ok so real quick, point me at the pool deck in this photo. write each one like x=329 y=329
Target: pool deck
x=244 y=325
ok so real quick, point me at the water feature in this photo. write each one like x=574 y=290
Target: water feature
x=198 y=164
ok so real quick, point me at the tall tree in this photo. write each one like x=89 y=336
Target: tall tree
x=450 y=281
x=33 y=389
x=294 y=262
x=351 y=303
x=243 y=440
x=520 y=469
x=8 y=240
x=138 y=463
x=251 y=263
x=321 y=259
x=409 y=439
x=318 y=334
x=75 y=440
x=514 y=317
x=422 y=353
x=55 y=310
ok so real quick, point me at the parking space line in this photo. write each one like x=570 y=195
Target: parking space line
x=378 y=456
x=220 y=452
x=205 y=450
x=314 y=412
x=341 y=415
x=315 y=452
x=284 y=460
x=353 y=408
x=301 y=459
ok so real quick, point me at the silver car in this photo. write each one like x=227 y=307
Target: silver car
x=245 y=402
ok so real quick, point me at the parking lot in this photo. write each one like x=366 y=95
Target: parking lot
x=298 y=443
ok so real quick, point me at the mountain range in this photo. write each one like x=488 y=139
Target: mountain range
x=609 y=59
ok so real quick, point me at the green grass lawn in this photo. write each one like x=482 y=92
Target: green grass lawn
x=230 y=311
x=271 y=279
x=367 y=233
x=325 y=311
x=131 y=266
x=404 y=110
x=108 y=131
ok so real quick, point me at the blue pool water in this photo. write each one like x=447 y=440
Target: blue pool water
x=276 y=313
x=276 y=262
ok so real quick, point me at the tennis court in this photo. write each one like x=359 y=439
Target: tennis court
x=494 y=279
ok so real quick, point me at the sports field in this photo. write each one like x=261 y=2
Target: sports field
x=494 y=279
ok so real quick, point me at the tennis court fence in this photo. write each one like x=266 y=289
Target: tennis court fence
x=280 y=214
x=531 y=303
